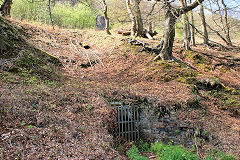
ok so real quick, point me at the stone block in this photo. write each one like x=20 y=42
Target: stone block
x=158 y=125
x=100 y=22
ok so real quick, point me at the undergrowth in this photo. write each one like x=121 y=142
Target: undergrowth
x=172 y=152
x=64 y=15
x=229 y=99
x=133 y=154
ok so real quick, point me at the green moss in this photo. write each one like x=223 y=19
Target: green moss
x=168 y=71
x=199 y=60
x=129 y=48
x=229 y=99
x=28 y=62
x=47 y=57
x=223 y=69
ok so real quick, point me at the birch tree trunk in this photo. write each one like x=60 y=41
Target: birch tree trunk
x=106 y=18
x=129 y=5
x=186 y=27
x=191 y=19
x=50 y=13
x=171 y=14
x=205 y=33
x=138 y=18
x=226 y=24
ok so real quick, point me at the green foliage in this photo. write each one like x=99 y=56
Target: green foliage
x=143 y=146
x=120 y=148
x=23 y=123
x=64 y=15
x=168 y=71
x=171 y=152
x=133 y=154
x=224 y=156
x=157 y=148
x=24 y=9
x=79 y=16
x=30 y=126
x=89 y=107
x=217 y=155
x=179 y=32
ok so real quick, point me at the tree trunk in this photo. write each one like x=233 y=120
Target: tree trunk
x=138 y=18
x=191 y=19
x=171 y=14
x=6 y=8
x=50 y=13
x=226 y=25
x=166 y=43
x=205 y=33
x=106 y=18
x=186 y=27
x=132 y=17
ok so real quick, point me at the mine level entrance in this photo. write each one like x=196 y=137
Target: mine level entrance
x=128 y=122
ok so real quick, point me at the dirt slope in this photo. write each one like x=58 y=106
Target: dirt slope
x=44 y=114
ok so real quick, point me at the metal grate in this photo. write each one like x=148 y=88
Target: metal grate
x=128 y=122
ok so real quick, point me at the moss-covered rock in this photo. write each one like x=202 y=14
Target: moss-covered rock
x=198 y=60
x=209 y=84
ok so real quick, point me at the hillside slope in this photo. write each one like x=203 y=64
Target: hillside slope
x=44 y=114
x=63 y=112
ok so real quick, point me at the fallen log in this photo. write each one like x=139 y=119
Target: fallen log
x=145 y=46
x=149 y=34
x=125 y=33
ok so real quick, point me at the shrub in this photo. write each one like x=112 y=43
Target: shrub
x=133 y=154
x=143 y=146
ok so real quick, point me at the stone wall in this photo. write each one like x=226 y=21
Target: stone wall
x=162 y=124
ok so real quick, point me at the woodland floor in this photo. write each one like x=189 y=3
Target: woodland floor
x=70 y=117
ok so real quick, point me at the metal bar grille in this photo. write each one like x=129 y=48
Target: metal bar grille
x=128 y=122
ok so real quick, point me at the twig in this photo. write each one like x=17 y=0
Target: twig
x=209 y=39
x=50 y=13
x=195 y=142
x=55 y=41
x=88 y=58
x=99 y=59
